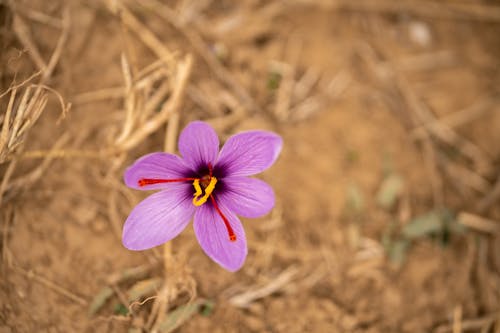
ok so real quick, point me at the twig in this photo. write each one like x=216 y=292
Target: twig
x=457 y=319
x=244 y=299
x=98 y=95
x=148 y=70
x=490 y=198
x=470 y=324
x=465 y=176
x=148 y=81
x=479 y=223
x=19 y=85
x=51 y=285
x=41 y=17
x=129 y=94
x=54 y=59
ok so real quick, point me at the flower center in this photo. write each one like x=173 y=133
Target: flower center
x=203 y=189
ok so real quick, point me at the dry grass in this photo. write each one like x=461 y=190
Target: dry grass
x=377 y=154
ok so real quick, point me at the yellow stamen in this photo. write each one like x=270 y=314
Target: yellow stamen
x=197 y=188
x=197 y=201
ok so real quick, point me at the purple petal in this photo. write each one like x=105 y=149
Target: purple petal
x=249 y=153
x=155 y=166
x=158 y=218
x=214 y=238
x=247 y=197
x=198 y=145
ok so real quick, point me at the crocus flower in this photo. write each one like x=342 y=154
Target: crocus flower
x=210 y=185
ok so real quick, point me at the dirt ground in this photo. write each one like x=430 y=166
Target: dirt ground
x=387 y=216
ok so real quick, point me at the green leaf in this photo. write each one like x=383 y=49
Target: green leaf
x=207 y=308
x=427 y=224
x=397 y=251
x=388 y=235
x=99 y=300
x=352 y=156
x=143 y=288
x=120 y=309
x=273 y=81
x=180 y=315
x=355 y=200
x=390 y=190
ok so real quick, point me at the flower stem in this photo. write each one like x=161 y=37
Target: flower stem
x=168 y=259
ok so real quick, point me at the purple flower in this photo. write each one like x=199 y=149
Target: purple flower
x=210 y=185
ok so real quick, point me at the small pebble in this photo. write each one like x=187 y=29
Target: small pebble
x=420 y=33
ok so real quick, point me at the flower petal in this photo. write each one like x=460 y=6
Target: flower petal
x=249 y=153
x=155 y=166
x=247 y=197
x=214 y=239
x=158 y=218
x=198 y=145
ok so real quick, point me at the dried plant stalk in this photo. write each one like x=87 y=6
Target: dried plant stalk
x=19 y=118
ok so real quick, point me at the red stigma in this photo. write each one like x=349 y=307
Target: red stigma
x=230 y=231
x=210 y=170
x=150 y=181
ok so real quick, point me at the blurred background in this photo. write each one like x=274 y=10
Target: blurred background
x=388 y=186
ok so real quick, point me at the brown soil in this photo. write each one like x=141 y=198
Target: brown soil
x=365 y=94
